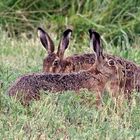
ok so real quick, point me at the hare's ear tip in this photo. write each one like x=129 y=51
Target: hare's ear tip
x=91 y=31
x=67 y=32
x=40 y=29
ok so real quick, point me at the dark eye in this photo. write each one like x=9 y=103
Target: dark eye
x=56 y=62
x=111 y=62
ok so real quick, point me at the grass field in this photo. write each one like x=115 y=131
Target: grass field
x=67 y=115
x=61 y=116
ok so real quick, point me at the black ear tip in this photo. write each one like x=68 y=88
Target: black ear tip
x=91 y=31
x=69 y=30
x=66 y=32
x=39 y=29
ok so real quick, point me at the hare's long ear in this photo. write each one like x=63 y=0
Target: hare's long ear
x=64 y=42
x=46 y=40
x=95 y=43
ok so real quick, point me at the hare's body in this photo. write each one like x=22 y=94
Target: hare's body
x=129 y=80
x=76 y=63
x=126 y=84
x=55 y=63
x=85 y=61
x=30 y=85
x=102 y=72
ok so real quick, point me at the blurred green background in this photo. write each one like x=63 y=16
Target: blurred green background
x=114 y=18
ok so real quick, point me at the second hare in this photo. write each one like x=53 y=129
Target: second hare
x=76 y=63
x=28 y=87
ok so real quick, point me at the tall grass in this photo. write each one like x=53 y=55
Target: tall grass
x=113 y=18
x=60 y=116
x=67 y=115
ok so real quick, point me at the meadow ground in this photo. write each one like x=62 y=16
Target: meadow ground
x=66 y=115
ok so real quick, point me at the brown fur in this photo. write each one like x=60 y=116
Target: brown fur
x=103 y=71
x=55 y=64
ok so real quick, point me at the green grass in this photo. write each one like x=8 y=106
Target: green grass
x=113 y=18
x=66 y=115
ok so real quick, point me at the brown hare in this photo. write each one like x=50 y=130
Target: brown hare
x=95 y=79
x=56 y=63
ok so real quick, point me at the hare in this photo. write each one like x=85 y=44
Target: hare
x=56 y=63
x=104 y=70
x=54 y=59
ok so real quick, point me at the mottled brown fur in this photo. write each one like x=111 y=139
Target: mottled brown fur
x=103 y=71
x=30 y=85
x=55 y=64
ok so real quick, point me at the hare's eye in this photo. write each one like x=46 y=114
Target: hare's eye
x=56 y=62
x=111 y=62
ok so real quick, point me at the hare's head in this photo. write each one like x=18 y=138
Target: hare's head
x=107 y=66
x=54 y=60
